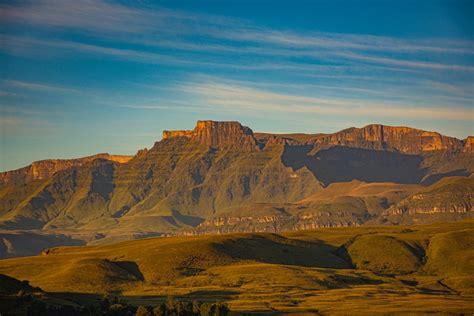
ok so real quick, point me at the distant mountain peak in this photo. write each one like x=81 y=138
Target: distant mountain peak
x=44 y=169
x=218 y=134
x=403 y=139
x=406 y=140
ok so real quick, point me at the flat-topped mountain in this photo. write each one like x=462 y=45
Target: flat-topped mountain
x=218 y=134
x=402 y=139
x=222 y=177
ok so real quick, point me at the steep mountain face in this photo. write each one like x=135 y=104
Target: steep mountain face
x=221 y=177
x=469 y=144
x=401 y=139
x=338 y=205
x=219 y=135
x=70 y=197
x=45 y=169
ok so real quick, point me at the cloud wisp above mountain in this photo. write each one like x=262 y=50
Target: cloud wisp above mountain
x=93 y=67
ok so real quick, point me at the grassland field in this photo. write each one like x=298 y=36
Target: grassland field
x=422 y=269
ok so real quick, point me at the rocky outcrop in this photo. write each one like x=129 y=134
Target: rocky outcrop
x=468 y=145
x=404 y=140
x=449 y=197
x=219 y=135
x=274 y=223
x=461 y=208
x=225 y=178
x=45 y=169
x=171 y=134
x=379 y=137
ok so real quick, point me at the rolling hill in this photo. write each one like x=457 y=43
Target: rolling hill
x=356 y=270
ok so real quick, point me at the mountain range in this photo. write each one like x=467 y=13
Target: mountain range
x=222 y=177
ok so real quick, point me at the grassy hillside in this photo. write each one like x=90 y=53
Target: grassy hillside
x=450 y=197
x=383 y=254
x=336 y=270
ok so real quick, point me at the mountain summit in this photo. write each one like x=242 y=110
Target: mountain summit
x=402 y=139
x=222 y=177
x=218 y=134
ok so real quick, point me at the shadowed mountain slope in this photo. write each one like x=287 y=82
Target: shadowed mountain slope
x=221 y=177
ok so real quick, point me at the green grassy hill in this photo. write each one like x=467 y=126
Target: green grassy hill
x=383 y=254
x=360 y=270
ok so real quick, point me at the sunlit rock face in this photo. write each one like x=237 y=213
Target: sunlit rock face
x=219 y=135
x=402 y=139
x=222 y=177
x=172 y=134
x=45 y=169
x=469 y=145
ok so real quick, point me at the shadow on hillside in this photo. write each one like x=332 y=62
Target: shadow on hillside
x=433 y=178
x=211 y=295
x=345 y=281
x=343 y=164
x=93 y=298
x=280 y=250
x=102 y=178
x=187 y=219
x=16 y=241
x=132 y=268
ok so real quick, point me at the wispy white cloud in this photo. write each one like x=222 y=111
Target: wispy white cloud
x=356 y=42
x=139 y=18
x=407 y=63
x=154 y=26
x=83 y=14
x=242 y=98
x=38 y=86
x=392 y=68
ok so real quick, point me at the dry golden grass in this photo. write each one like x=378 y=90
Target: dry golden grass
x=300 y=272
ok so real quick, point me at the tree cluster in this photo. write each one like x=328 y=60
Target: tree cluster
x=117 y=307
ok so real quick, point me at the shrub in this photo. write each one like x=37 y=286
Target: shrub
x=143 y=311
x=117 y=310
x=196 y=307
x=160 y=310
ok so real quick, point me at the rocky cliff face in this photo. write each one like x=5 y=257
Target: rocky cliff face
x=402 y=139
x=219 y=135
x=275 y=223
x=469 y=145
x=45 y=169
x=450 y=197
x=221 y=177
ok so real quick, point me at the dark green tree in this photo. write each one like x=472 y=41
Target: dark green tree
x=160 y=310
x=143 y=311
x=118 y=310
x=196 y=307
x=221 y=310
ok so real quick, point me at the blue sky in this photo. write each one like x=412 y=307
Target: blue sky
x=82 y=77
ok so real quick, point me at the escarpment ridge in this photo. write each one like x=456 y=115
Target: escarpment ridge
x=222 y=177
x=218 y=134
x=44 y=169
